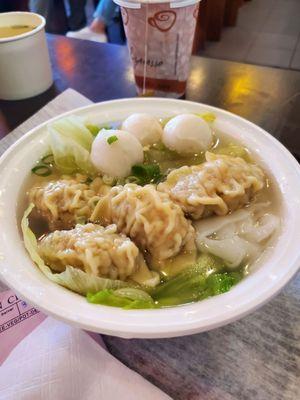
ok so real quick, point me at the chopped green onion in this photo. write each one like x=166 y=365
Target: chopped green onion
x=112 y=139
x=88 y=180
x=47 y=159
x=41 y=170
x=146 y=173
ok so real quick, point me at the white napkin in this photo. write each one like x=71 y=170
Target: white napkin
x=59 y=362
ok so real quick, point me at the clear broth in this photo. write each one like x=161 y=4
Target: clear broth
x=14 y=30
x=224 y=144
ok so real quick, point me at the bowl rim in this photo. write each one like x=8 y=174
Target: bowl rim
x=163 y=329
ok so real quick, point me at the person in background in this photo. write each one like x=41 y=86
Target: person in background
x=105 y=15
x=55 y=13
x=13 y=5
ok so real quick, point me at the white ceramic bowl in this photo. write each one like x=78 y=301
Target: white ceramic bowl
x=276 y=269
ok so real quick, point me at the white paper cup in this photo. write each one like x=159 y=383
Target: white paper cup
x=160 y=37
x=25 y=69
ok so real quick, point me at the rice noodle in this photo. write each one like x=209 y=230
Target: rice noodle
x=238 y=237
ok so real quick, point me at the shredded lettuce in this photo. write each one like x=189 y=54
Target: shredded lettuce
x=233 y=150
x=70 y=142
x=126 y=298
x=206 y=278
x=168 y=159
x=72 y=278
x=94 y=129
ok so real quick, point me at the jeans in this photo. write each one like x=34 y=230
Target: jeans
x=77 y=17
x=107 y=11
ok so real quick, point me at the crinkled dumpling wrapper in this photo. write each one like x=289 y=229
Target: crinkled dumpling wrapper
x=219 y=185
x=72 y=278
x=68 y=200
x=148 y=217
x=92 y=248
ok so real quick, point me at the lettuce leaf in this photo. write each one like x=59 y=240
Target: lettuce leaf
x=233 y=150
x=72 y=278
x=70 y=142
x=127 y=298
x=205 y=279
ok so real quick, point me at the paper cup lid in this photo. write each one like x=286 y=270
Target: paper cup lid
x=138 y=3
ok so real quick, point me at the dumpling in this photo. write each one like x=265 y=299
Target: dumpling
x=148 y=217
x=64 y=202
x=96 y=250
x=219 y=185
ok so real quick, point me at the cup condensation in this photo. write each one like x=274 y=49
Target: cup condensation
x=160 y=39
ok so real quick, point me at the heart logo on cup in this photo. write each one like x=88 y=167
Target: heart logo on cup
x=125 y=16
x=163 y=20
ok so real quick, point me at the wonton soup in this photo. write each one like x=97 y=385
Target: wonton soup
x=14 y=30
x=147 y=213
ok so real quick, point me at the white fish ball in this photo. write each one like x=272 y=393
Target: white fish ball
x=117 y=158
x=146 y=128
x=187 y=133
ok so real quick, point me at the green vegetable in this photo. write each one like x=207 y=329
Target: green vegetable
x=112 y=139
x=94 y=129
x=81 y=220
x=203 y=280
x=88 y=180
x=233 y=150
x=70 y=142
x=48 y=159
x=133 y=294
x=168 y=159
x=41 y=170
x=221 y=283
x=146 y=173
x=128 y=299
x=208 y=117
x=164 y=121
x=72 y=278
x=105 y=127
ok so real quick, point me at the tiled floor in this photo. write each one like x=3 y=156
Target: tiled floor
x=267 y=33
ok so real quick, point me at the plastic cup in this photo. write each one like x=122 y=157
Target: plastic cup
x=160 y=38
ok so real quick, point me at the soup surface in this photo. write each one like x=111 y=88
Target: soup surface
x=14 y=30
x=135 y=219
